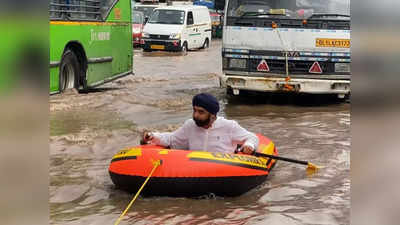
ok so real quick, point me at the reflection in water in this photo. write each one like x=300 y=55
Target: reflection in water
x=74 y=121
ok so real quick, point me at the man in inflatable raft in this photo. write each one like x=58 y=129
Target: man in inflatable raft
x=206 y=131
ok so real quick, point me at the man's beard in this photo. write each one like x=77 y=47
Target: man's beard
x=202 y=123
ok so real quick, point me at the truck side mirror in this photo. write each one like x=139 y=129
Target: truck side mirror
x=146 y=19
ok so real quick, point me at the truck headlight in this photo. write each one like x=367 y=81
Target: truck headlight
x=238 y=63
x=175 y=36
x=145 y=35
x=342 y=67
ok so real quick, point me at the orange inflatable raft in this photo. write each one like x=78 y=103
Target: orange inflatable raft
x=191 y=173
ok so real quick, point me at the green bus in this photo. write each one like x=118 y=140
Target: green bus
x=90 y=43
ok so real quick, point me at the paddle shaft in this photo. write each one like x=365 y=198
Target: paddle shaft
x=281 y=158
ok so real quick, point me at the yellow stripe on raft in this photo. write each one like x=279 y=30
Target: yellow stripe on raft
x=128 y=152
x=232 y=158
x=225 y=157
x=163 y=152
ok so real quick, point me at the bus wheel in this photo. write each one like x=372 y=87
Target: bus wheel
x=184 y=48
x=206 y=44
x=69 y=71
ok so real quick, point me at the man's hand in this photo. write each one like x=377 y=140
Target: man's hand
x=247 y=150
x=146 y=138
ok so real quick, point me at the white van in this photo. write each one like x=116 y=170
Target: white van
x=177 y=28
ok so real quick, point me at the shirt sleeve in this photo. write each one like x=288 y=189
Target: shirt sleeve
x=176 y=140
x=243 y=136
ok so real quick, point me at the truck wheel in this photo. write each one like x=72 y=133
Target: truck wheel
x=229 y=92
x=206 y=44
x=184 y=48
x=69 y=71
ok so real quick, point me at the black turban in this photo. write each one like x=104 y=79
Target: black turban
x=207 y=101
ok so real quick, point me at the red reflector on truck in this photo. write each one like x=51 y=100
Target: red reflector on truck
x=263 y=66
x=315 y=68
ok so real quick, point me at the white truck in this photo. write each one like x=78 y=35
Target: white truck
x=287 y=46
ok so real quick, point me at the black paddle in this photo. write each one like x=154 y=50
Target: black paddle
x=310 y=166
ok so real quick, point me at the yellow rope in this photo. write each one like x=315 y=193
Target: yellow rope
x=156 y=164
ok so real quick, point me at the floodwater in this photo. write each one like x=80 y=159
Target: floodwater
x=86 y=130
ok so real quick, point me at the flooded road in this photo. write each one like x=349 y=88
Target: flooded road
x=86 y=130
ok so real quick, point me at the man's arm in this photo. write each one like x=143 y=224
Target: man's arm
x=242 y=136
x=177 y=139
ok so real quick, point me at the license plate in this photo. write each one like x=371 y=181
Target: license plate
x=334 y=43
x=342 y=67
x=238 y=63
x=157 y=47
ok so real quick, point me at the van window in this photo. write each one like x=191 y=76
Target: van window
x=190 y=18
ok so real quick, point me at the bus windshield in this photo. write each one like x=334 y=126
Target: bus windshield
x=291 y=9
x=163 y=16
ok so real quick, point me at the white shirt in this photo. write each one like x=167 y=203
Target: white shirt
x=222 y=136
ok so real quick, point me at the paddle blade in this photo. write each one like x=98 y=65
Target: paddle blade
x=311 y=168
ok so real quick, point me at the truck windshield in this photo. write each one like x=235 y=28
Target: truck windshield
x=296 y=9
x=164 y=16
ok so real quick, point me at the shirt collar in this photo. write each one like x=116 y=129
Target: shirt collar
x=217 y=123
